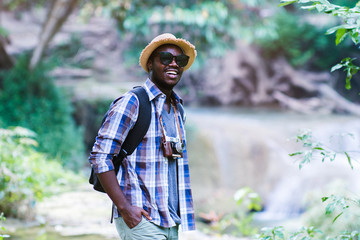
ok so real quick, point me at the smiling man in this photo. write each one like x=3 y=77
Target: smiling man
x=151 y=191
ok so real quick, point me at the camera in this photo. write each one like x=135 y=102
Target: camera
x=173 y=147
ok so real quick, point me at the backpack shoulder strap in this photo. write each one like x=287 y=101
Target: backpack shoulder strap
x=137 y=133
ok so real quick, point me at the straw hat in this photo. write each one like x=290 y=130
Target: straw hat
x=167 y=38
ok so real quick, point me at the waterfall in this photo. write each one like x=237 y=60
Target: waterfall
x=251 y=149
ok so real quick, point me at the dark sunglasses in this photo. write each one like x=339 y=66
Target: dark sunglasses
x=166 y=58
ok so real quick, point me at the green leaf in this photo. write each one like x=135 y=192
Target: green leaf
x=355 y=37
x=295 y=153
x=349 y=160
x=354 y=71
x=319 y=148
x=350 y=26
x=332 y=30
x=340 y=35
x=309 y=7
x=337 y=67
x=337 y=217
x=323 y=199
x=285 y=3
x=241 y=194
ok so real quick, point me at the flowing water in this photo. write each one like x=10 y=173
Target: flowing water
x=251 y=148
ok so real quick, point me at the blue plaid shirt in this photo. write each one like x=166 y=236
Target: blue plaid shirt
x=143 y=175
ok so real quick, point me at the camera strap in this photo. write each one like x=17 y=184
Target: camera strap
x=177 y=121
x=177 y=124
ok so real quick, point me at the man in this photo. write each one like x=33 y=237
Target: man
x=151 y=191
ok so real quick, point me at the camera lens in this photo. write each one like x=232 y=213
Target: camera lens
x=179 y=147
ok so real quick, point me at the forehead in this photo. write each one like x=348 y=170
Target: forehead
x=169 y=48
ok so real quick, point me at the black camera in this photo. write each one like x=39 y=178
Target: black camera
x=173 y=147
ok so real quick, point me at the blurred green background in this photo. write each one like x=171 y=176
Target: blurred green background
x=263 y=73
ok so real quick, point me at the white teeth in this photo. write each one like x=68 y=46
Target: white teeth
x=171 y=72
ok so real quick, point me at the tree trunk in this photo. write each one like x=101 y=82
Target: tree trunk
x=244 y=78
x=59 y=12
x=6 y=61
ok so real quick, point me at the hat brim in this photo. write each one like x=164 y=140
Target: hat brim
x=186 y=46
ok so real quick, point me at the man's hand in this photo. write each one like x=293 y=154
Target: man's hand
x=132 y=216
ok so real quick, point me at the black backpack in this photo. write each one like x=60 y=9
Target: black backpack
x=135 y=135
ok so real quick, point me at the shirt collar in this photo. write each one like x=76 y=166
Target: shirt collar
x=153 y=91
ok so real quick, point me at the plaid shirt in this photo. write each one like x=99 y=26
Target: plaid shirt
x=143 y=175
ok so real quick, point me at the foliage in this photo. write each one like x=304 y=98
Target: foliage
x=341 y=208
x=26 y=175
x=338 y=205
x=350 y=69
x=301 y=43
x=30 y=99
x=271 y=233
x=240 y=222
x=279 y=233
x=212 y=26
x=2 y=219
x=16 y=4
x=313 y=148
x=335 y=202
x=349 y=27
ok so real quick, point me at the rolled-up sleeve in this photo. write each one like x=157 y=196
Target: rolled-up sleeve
x=121 y=117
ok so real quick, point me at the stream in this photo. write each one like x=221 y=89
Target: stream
x=234 y=148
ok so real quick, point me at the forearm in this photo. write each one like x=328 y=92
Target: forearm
x=131 y=214
x=111 y=186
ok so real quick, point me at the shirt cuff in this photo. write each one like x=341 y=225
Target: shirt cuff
x=102 y=164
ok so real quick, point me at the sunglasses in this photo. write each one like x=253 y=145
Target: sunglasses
x=166 y=58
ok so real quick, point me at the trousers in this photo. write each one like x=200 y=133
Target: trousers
x=145 y=230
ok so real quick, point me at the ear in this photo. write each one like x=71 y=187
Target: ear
x=149 y=65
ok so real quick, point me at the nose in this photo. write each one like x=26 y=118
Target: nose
x=173 y=62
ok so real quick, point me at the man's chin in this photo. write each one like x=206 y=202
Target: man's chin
x=172 y=82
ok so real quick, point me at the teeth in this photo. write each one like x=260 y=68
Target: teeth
x=171 y=72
